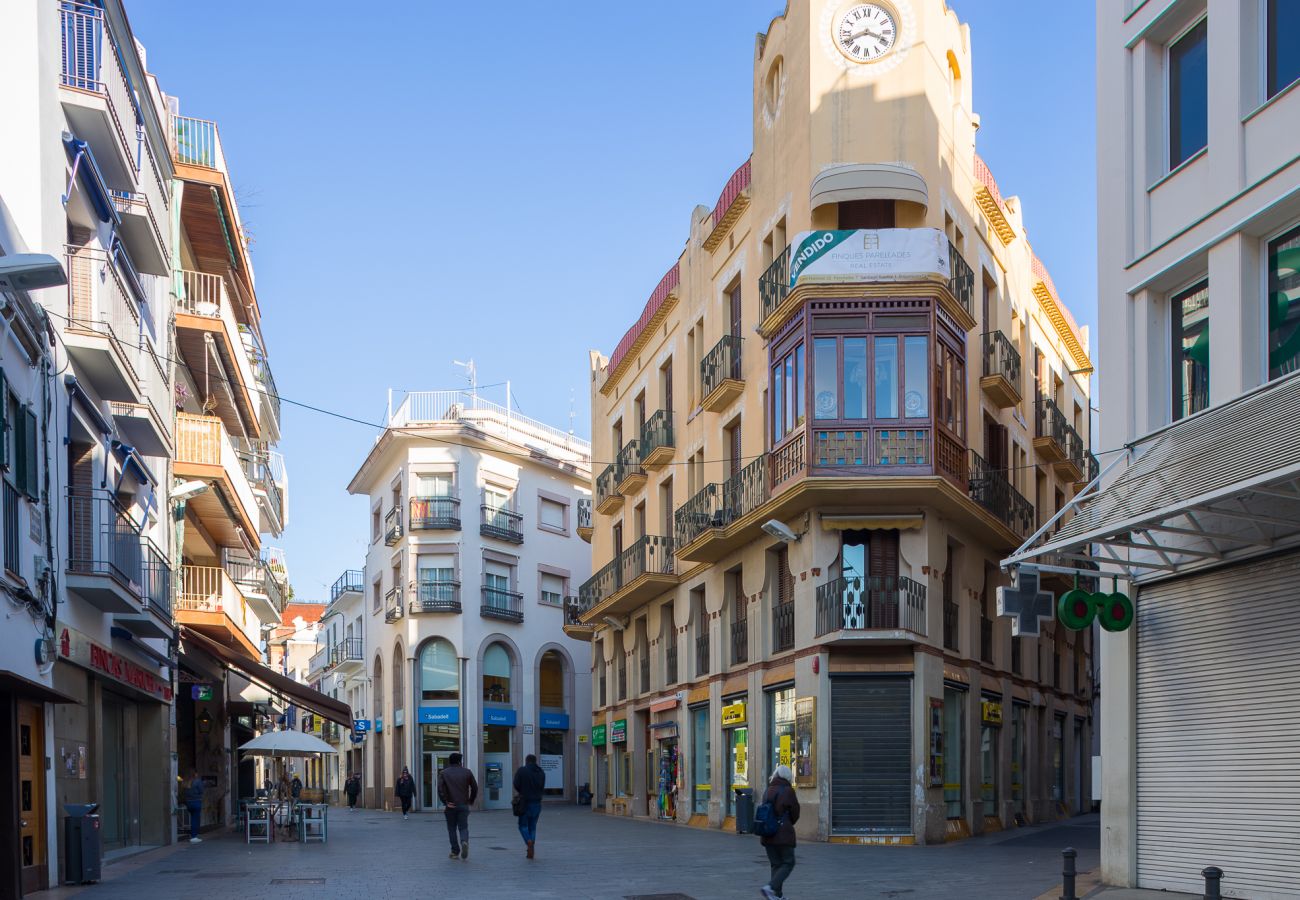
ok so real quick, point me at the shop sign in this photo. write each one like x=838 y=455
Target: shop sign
x=505 y=717
x=733 y=714
x=664 y=731
x=555 y=721
x=582 y=739
x=991 y=712
x=438 y=715
x=661 y=705
x=75 y=647
x=843 y=255
x=361 y=726
x=598 y=735
x=618 y=732
x=201 y=692
x=379 y=725
x=783 y=754
x=805 y=727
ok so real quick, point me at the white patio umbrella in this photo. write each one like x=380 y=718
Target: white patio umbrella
x=286 y=743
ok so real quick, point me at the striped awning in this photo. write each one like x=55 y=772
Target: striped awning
x=1216 y=486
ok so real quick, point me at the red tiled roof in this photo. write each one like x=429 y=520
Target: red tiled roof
x=310 y=612
x=985 y=177
x=661 y=292
x=1041 y=273
x=737 y=183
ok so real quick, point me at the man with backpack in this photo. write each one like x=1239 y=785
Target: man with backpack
x=774 y=823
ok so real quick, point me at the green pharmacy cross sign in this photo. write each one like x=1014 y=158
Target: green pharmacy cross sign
x=1027 y=605
x=1077 y=608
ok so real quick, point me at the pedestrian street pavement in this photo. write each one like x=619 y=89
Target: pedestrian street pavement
x=374 y=855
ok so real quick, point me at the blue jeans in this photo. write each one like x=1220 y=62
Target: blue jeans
x=528 y=821
x=196 y=816
x=457 y=826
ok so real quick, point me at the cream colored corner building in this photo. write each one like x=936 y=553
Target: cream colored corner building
x=859 y=346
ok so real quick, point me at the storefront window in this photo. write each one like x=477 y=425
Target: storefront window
x=701 y=761
x=1284 y=304
x=496 y=675
x=780 y=719
x=1018 y=758
x=439 y=676
x=1058 y=758
x=954 y=720
x=989 y=733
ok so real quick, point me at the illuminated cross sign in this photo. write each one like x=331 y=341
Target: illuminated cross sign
x=1025 y=603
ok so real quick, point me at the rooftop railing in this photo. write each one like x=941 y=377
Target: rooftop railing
x=467 y=407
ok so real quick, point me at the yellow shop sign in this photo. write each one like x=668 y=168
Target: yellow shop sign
x=733 y=714
x=991 y=712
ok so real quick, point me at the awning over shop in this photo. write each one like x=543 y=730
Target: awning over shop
x=293 y=692
x=13 y=683
x=1219 y=485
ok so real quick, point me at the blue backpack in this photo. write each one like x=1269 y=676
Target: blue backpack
x=766 y=822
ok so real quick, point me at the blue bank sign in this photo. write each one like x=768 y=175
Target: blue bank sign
x=554 y=721
x=439 y=715
x=361 y=726
x=499 y=717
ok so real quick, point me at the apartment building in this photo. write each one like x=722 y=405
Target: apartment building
x=1198 y=261
x=850 y=397
x=338 y=670
x=474 y=510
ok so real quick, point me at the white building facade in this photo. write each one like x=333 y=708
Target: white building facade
x=1198 y=512
x=474 y=546
x=338 y=670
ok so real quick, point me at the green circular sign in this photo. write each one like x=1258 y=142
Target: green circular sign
x=1114 y=611
x=1075 y=609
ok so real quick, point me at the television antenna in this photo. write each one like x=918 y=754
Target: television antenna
x=471 y=375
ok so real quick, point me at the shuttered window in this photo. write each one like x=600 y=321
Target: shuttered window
x=871 y=753
x=1217 y=727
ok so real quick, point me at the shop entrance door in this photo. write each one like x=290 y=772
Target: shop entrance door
x=31 y=797
x=738 y=742
x=433 y=762
x=115 y=813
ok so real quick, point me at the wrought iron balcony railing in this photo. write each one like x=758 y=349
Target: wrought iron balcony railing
x=629 y=460
x=502 y=524
x=774 y=284
x=670 y=662
x=1001 y=357
x=951 y=624
x=351 y=581
x=718 y=505
x=721 y=363
x=584 y=512
x=962 y=279
x=701 y=655
x=436 y=596
x=650 y=554
x=1051 y=422
x=857 y=603
x=991 y=490
x=607 y=483
x=434 y=513
x=393 y=604
x=502 y=604
x=782 y=627
x=393 y=526
x=740 y=642
x=656 y=433
x=346 y=650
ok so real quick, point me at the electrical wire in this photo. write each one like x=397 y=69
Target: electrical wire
x=416 y=433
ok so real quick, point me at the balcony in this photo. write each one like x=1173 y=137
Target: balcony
x=784 y=289
x=720 y=376
x=584 y=518
x=393 y=605
x=502 y=524
x=393 y=526
x=206 y=321
x=701 y=526
x=644 y=667
x=951 y=625
x=436 y=597
x=573 y=624
x=260 y=585
x=740 y=642
x=434 y=514
x=782 y=627
x=991 y=490
x=670 y=662
x=1001 y=370
x=111 y=564
x=103 y=329
x=1057 y=441
x=701 y=655
x=502 y=604
x=320 y=661
x=657 y=440
x=211 y=603
x=639 y=573
x=265 y=470
x=631 y=476
x=139 y=227
x=346 y=657
x=608 y=499
x=1091 y=469
x=877 y=607
x=205 y=452
x=352 y=581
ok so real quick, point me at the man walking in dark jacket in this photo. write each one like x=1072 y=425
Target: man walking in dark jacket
x=353 y=789
x=457 y=790
x=780 y=846
x=405 y=790
x=530 y=784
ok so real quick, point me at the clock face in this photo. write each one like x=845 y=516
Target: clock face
x=865 y=32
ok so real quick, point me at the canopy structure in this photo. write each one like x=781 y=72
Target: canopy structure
x=1219 y=485
x=286 y=743
x=282 y=685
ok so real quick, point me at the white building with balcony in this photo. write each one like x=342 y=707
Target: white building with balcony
x=338 y=670
x=474 y=513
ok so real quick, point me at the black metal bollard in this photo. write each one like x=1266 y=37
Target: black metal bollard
x=1213 y=875
x=1067 y=874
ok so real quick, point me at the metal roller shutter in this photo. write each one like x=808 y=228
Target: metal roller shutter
x=1218 y=728
x=871 y=755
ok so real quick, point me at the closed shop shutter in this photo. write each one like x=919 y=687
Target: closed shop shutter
x=1218 y=723
x=871 y=755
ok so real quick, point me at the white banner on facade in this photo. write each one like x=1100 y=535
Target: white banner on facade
x=553 y=766
x=869 y=254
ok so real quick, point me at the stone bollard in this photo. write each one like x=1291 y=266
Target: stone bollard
x=1067 y=874
x=1213 y=875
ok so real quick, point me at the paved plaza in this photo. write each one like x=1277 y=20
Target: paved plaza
x=377 y=855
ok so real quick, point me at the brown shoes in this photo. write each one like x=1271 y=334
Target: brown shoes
x=530 y=849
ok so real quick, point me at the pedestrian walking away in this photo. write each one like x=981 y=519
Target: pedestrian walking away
x=457 y=790
x=295 y=788
x=530 y=785
x=405 y=790
x=780 y=807
x=353 y=789
x=194 y=803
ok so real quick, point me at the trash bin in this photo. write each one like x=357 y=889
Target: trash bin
x=744 y=810
x=81 y=843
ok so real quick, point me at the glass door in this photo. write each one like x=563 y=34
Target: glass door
x=738 y=741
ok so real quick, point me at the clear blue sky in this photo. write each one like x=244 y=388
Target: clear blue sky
x=385 y=155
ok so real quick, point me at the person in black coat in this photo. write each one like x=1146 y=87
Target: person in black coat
x=530 y=785
x=780 y=846
x=405 y=790
x=353 y=789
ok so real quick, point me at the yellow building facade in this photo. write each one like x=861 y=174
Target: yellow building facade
x=852 y=395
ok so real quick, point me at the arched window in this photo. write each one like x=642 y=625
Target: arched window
x=439 y=676
x=550 y=680
x=496 y=674
x=378 y=681
x=397 y=678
